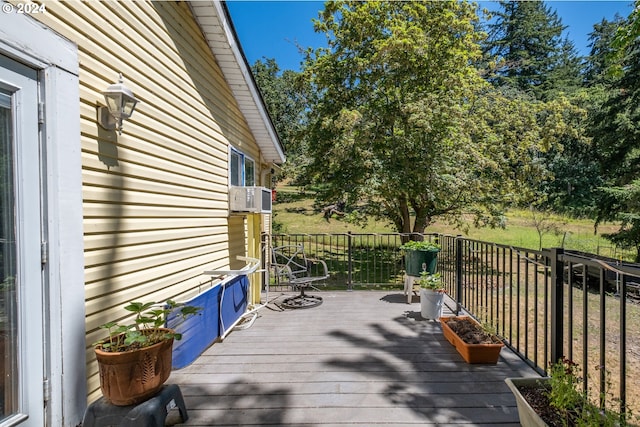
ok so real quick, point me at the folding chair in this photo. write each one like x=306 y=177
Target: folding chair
x=291 y=267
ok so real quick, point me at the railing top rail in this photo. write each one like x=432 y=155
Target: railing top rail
x=626 y=269
x=497 y=245
x=356 y=234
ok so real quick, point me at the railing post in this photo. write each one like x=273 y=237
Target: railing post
x=349 y=262
x=458 y=274
x=557 y=304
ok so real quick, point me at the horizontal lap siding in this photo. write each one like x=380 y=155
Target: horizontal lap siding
x=155 y=198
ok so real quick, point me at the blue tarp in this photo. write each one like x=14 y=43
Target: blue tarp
x=200 y=331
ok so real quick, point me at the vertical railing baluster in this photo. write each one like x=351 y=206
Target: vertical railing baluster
x=518 y=320
x=623 y=346
x=526 y=302
x=535 y=313
x=585 y=322
x=603 y=333
x=349 y=263
x=504 y=289
x=511 y=294
x=458 y=274
x=570 y=279
x=557 y=304
x=547 y=283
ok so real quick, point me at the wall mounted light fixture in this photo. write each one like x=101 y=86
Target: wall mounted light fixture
x=120 y=105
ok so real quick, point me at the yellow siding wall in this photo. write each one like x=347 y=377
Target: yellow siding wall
x=155 y=197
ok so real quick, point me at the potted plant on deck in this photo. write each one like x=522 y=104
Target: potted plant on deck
x=475 y=342
x=431 y=295
x=559 y=400
x=135 y=359
x=420 y=256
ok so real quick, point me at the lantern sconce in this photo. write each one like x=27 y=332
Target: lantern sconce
x=120 y=105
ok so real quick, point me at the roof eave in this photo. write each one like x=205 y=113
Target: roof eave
x=214 y=20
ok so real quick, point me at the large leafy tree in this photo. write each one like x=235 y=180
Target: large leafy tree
x=285 y=98
x=402 y=125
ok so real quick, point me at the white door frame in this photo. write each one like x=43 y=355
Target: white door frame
x=55 y=59
x=20 y=83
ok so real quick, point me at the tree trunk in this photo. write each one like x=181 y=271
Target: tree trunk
x=421 y=222
x=405 y=218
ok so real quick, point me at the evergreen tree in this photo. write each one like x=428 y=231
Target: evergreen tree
x=526 y=41
x=602 y=56
x=616 y=135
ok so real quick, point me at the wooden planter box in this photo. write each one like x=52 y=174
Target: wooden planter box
x=471 y=353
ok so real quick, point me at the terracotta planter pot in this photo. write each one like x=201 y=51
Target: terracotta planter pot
x=471 y=353
x=131 y=377
x=528 y=416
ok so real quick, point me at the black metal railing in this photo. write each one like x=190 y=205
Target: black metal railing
x=544 y=304
x=363 y=259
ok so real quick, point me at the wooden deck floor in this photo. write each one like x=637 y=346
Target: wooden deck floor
x=363 y=358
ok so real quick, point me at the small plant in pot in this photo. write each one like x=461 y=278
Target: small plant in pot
x=431 y=295
x=135 y=359
x=420 y=256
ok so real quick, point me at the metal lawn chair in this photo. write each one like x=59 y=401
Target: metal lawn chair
x=291 y=266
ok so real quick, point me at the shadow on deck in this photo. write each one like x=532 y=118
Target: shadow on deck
x=364 y=358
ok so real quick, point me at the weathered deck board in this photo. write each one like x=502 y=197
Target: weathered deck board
x=359 y=359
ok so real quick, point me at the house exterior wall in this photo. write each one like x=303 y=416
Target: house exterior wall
x=155 y=199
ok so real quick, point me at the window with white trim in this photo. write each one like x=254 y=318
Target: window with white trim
x=242 y=169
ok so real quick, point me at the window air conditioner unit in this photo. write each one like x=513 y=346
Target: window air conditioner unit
x=250 y=199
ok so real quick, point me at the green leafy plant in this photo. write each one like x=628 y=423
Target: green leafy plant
x=420 y=246
x=147 y=328
x=431 y=281
x=572 y=404
x=483 y=320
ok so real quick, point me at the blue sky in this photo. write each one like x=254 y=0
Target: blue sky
x=276 y=29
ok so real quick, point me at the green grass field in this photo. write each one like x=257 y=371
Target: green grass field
x=294 y=214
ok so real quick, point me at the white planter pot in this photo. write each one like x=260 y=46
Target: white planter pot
x=431 y=304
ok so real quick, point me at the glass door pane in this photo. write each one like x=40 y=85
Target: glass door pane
x=8 y=312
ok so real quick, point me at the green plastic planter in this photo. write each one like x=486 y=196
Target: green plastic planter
x=414 y=260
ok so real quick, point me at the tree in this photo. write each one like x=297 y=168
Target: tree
x=573 y=166
x=545 y=223
x=576 y=168
x=602 y=56
x=285 y=99
x=615 y=129
x=402 y=125
x=526 y=40
x=628 y=33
